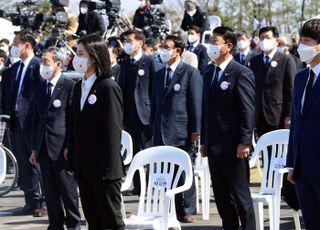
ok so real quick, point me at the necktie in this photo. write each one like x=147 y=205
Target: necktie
x=168 y=77
x=267 y=63
x=215 y=78
x=243 y=59
x=17 y=83
x=190 y=48
x=49 y=89
x=308 y=90
x=132 y=61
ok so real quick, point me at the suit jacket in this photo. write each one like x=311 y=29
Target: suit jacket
x=143 y=89
x=50 y=120
x=274 y=87
x=5 y=90
x=176 y=111
x=250 y=55
x=304 y=145
x=95 y=132
x=228 y=115
x=31 y=79
x=91 y=23
x=203 y=59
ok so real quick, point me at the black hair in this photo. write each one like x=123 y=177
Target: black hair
x=228 y=34
x=178 y=42
x=195 y=28
x=274 y=30
x=26 y=36
x=245 y=33
x=3 y=55
x=99 y=53
x=113 y=50
x=311 y=29
x=138 y=35
x=151 y=42
x=4 y=40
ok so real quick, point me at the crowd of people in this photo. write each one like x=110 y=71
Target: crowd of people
x=67 y=135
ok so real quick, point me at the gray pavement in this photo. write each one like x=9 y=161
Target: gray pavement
x=15 y=199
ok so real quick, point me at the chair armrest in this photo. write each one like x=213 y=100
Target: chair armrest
x=253 y=159
x=283 y=170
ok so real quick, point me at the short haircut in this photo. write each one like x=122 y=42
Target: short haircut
x=311 y=29
x=98 y=53
x=113 y=50
x=195 y=28
x=274 y=30
x=57 y=54
x=26 y=36
x=4 y=40
x=138 y=35
x=245 y=33
x=151 y=42
x=228 y=34
x=178 y=42
x=3 y=55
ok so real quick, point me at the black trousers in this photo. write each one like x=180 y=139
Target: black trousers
x=29 y=178
x=61 y=193
x=230 y=184
x=101 y=202
x=141 y=138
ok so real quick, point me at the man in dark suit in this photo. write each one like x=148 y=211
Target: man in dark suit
x=113 y=52
x=245 y=52
x=24 y=77
x=228 y=110
x=176 y=111
x=194 y=16
x=51 y=107
x=274 y=73
x=303 y=153
x=136 y=79
x=194 y=45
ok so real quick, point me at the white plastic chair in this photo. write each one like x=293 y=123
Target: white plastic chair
x=127 y=148
x=270 y=190
x=205 y=40
x=156 y=204
x=3 y=165
x=202 y=173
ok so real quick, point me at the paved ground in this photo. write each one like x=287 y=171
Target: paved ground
x=15 y=199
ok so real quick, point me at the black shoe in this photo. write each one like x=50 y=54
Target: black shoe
x=26 y=210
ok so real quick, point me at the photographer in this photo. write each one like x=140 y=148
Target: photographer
x=89 y=20
x=194 y=16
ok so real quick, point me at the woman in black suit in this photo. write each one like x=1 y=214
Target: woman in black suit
x=95 y=136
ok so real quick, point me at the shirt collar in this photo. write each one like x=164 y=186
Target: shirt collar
x=55 y=80
x=27 y=61
x=89 y=82
x=271 y=54
x=194 y=45
x=246 y=51
x=224 y=64
x=174 y=66
x=316 y=69
x=138 y=56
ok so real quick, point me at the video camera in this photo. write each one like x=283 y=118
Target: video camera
x=155 y=19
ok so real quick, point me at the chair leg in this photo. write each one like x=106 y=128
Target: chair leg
x=258 y=213
x=206 y=198
x=203 y=197
x=296 y=219
x=271 y=216
x=196 y=181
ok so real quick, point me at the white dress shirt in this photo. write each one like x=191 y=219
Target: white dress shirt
x=86 y=87
x=173 y=68
x=222 y=67
x=271 y=55
x=54 y=82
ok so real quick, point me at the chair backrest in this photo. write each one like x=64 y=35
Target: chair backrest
x=205 y=40
x=126 y=148
x=214 y=21
x=3 y=165
x=164 y=166
x=276 y=142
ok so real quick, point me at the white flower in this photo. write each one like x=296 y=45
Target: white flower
x=224 y=85
x=176 y=87
x=92 y=99
x=274 y=64
x=57 y=103
x=141 y=72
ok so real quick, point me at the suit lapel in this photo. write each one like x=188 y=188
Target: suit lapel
x=56 y=92
x=175 y=78
x=93 y=90
x=314 y=94
x=28 y=74
x=141 y=66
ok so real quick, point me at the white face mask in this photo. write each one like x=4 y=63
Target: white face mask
x=14 y=60
x=165 y=55
x=83 y=10
x=242 y=44
x=307 y=53
x=214 y=51
x=267 y=44
x=128 y=48
x=15 y=52
x=46 y=71
x=192 y=38
x=80 y=64
x=281 y=49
